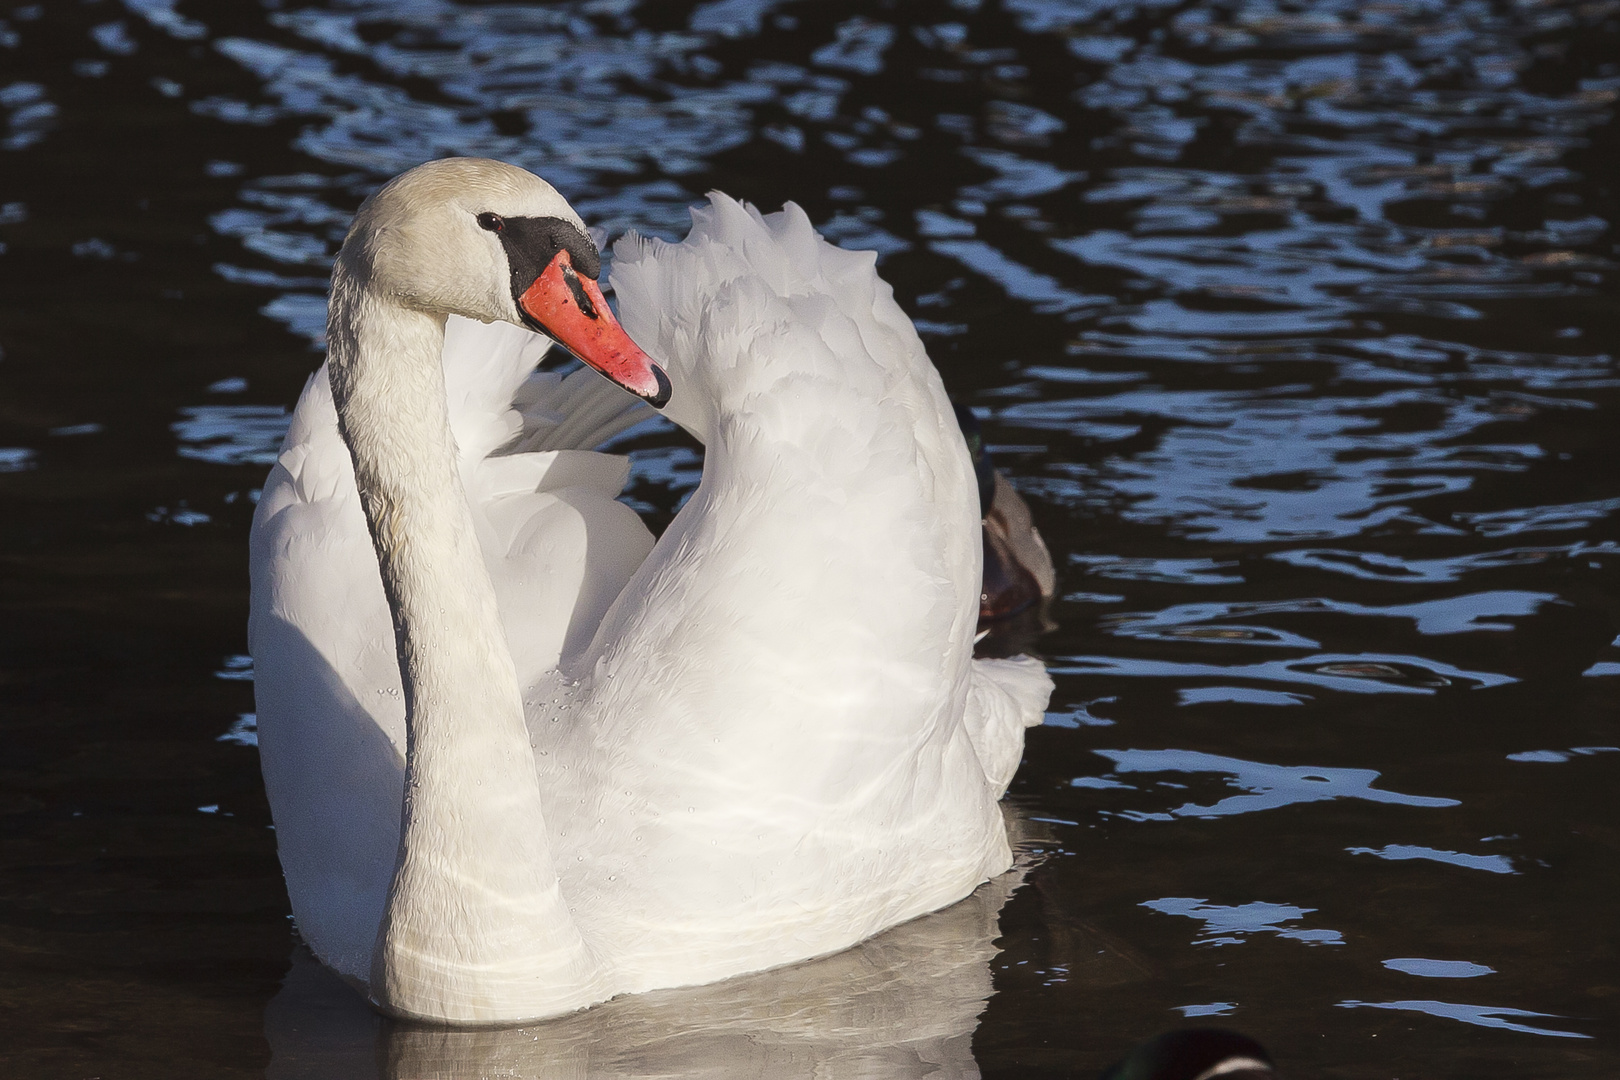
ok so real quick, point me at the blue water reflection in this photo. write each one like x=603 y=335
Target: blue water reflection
x=1438 y=969
x=1492 y=864
x=1270 y=786
x=1355 y=673
x=1229 y=924
x=1205 y=622
x=1479 y=1015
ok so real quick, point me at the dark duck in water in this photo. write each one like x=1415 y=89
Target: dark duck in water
x=1018 y=573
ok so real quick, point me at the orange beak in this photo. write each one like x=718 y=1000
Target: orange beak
x=569 y=308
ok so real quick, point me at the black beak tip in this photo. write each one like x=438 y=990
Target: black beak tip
x=661 y=398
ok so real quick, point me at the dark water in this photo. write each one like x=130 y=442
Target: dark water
x=1295 y=323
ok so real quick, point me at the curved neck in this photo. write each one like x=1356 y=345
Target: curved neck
x=475 y=928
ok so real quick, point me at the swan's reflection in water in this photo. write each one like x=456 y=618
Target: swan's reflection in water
x=904 y=1004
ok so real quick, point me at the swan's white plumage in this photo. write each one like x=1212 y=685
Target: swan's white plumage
x=773 y=744
x=330 y=709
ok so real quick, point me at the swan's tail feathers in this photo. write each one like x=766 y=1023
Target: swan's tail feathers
x=1023 y=680
x=580 y=411
x=1006 y=696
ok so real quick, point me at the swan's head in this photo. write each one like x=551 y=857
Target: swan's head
x=490 y=241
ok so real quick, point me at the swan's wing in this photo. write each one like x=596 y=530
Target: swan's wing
x=331 y=717
x=558 y=544
x=867 y=514
x=784 y=688
x=579 y=411
x=484 y=364
x=500 y=404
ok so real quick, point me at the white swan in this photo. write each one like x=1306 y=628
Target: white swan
x=622 y=765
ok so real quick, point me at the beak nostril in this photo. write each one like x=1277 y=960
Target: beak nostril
x=581 y=297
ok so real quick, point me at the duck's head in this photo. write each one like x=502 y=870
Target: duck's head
x=1196 y=1054
x=490 y=241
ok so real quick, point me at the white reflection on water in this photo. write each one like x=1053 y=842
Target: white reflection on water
x=903 y=1004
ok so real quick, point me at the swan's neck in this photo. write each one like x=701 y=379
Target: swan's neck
x=475 y=928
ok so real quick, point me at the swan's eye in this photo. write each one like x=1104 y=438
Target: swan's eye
x=492 y=222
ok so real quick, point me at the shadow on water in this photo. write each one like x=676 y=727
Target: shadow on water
x=1294 y=323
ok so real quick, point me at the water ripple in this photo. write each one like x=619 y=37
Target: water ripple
x=1376 y=566
x=1225 y=924
x=1270 y=786
x=232 y=434
x=1438 y=969
x=1205 y=622
x=1493 y=864
x=1489 y=1016
x=1355 y=673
